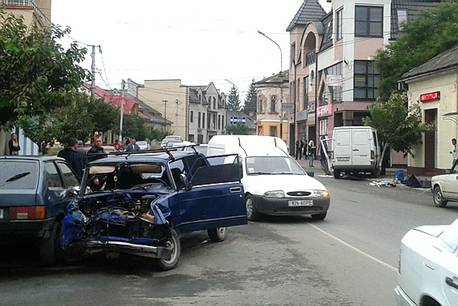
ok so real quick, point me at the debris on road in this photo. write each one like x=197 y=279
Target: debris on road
x=382 y=183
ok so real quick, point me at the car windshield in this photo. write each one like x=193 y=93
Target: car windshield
x=104 y=178
x=18 y=174
x=272 y=165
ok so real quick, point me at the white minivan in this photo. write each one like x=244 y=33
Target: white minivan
x=274 y=183
x=355 y=150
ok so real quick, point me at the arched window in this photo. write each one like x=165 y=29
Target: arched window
x=273 y=104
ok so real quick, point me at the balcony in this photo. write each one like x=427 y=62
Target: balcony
x=22 y=3
x=28 y=4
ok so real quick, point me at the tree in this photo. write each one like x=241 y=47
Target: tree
x=251 y=99
x=237 y=129
x=37 y=76
x=399 y=126
x=433 y=32
x=104 y=115
x=233 y=100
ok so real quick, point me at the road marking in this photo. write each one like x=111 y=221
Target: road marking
x=355 y=248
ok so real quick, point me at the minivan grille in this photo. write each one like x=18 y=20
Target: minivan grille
x=299 y=193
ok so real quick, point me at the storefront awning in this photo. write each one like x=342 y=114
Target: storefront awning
x=451 y=116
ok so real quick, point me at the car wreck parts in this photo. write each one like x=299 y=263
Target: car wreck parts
x=121 y=222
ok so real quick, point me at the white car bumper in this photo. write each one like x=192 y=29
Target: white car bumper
x=402 y=299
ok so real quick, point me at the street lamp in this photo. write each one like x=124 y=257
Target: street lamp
x=281 y=86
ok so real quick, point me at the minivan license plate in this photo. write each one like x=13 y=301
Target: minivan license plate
x=300 y=203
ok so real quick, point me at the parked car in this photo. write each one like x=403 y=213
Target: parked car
x=428 y=267
x=355 y=150
x=168 y=141
x=140 y=204
x=34 y=194
x=274 y=183
x=143 y=145
x=445 y=188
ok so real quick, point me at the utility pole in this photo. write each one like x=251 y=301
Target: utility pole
x=122 y=110
x=165 y=114
x=92 y=71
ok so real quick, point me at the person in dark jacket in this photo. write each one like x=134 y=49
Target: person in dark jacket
x=97 y=151
x=13 y=145
x=133 y=146
x=77 y=160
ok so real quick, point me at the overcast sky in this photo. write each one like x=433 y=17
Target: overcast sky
x=197 y=41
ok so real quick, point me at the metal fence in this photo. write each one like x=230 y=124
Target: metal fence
x=18 y=2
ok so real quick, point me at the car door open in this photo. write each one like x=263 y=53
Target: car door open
x=216 y=196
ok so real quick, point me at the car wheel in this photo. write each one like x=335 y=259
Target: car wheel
x=336 y=174
x=174 y=243
x=438 y=197
x=319 y=216
x=50 y=247
x=217 y=234
x=251 y=212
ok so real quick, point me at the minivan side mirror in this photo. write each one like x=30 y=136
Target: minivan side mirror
x=185 y=181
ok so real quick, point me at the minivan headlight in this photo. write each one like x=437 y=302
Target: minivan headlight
x=275 y=194
x=321 y=193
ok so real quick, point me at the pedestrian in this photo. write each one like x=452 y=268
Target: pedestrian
x=96 y=151
x=118 y=145
x=297 y=149
x=133 y=146
x=13 y=145
x=454 y=152
x=311 y=149
x=301 y=148
x=75 y=158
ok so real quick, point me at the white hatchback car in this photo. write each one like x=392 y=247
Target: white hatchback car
x=428 y=267
x=445 y=188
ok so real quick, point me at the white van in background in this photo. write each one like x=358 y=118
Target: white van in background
x=355 y=150
x=274 y=183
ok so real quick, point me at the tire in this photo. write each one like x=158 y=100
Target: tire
x=165 y=264
x=336 y=174
x=375 y=173
x=319 y=216
x=251 y=212
x=50 y=247
x=438 y=197
x=217 y=234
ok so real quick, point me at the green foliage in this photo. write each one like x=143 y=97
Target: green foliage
x=398 y=125
x=104 y=115
x=233 y=100
x=251 y=99
x=237 y=129
x=433 y=32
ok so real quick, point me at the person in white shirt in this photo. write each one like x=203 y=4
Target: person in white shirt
x=312 y=152
x=454 y=152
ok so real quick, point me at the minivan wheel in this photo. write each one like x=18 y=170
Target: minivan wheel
x=251 y=212
x=336 y=174
x=217 y=234
x=50 y=247
x=174 y=243
x=438 y=197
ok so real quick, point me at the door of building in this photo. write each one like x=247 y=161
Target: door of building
x=430 y=139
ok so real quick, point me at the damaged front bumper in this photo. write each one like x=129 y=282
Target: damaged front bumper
x=124 y=247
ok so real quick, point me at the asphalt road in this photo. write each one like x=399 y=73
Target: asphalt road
x=348 y=259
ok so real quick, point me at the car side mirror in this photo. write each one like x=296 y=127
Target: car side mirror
x=185 y=181
x=311 y=173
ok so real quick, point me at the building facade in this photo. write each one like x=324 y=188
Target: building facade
x=207 y=113
x=272 y=95
x=242 y=118
x=333 y=78
x=433 y=86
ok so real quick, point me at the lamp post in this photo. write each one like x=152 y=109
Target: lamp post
x=281 y=86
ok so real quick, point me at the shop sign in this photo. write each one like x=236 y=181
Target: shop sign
x=301 y=116
x=430 y=97
x=324 y=110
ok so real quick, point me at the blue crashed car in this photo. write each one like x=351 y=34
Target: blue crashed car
x=140 y=204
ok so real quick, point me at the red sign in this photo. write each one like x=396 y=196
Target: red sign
x=430 y=97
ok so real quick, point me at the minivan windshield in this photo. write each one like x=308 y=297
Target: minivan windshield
x=18 y=174
x=272 y=165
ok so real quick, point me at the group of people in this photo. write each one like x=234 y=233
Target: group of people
x=307 y=150
x=131 y=145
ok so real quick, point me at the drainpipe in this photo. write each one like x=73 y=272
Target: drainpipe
x=317 y=132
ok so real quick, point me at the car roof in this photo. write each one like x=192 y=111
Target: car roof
x=161 y=157
x=41 y=158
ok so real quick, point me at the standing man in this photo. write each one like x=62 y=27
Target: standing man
x=133 y=146
x=297 y=149
x=97 y=151
x=311 y=149
x=454 y=152
x=13 y=145
x=118 y=145
x=77 y=160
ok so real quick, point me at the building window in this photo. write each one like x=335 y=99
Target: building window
x=191 y=138
x=323 y=127
x=191 y=117
x=369 y=21
x=273 y=131
x=293 y=54
x=402 y=18
x=260 y=110
x=310 y=58
x=366 y=80
x=198 y=121
x=219 y=122
x=203 y=120
x=306 y=92
x=222 y=122
x=334 y=80
x=273 y=104
x=339 y=24
x=214 y=103
x=323 y=96
x=200 y=139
